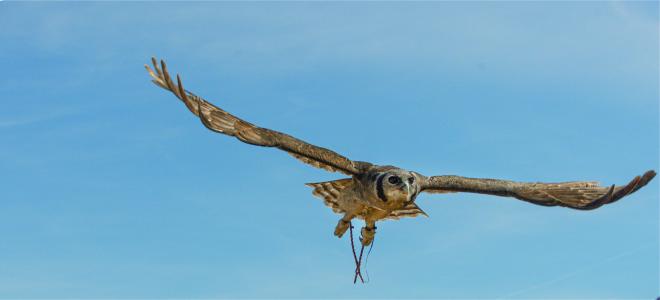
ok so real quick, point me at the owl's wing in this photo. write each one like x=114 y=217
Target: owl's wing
x=410 y=210
x=221 y=121
x=581 y=195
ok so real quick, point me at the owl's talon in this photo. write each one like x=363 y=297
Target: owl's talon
x=341 y=228
x=368 y=234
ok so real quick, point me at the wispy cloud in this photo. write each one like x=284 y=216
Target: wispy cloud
x=579 y=270
x=16 y=121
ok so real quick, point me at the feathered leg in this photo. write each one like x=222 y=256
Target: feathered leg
x=343 y=225
x=368 y=232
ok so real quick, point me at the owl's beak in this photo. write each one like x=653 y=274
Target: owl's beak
x=410 y=191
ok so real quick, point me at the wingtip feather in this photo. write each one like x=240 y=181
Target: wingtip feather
x=649 y=175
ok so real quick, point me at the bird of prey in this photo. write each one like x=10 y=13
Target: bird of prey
x=374 y=192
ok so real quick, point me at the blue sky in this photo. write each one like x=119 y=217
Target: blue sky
x=111 y=189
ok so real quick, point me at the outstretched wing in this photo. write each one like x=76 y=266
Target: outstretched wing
x=221 y=121
x=578 y=194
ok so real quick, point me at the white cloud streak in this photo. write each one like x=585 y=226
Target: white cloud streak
x=17 y=121
x=579 y=270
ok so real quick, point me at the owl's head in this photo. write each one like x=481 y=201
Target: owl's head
x=396 y=186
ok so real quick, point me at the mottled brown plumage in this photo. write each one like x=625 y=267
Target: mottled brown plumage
x=373 y=192
x=581 y=195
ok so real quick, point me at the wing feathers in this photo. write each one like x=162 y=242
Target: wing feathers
x=221 y=121
x=577 y=194
x=330 y=191
x=410 y=210
x=313 y=162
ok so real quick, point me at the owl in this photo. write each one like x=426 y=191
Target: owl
x=374 y=193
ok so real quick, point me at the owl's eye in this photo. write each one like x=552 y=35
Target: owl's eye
x=394 y=180
x=411 y=180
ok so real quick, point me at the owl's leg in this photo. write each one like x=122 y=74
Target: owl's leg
x=368 y=232
x=343 y=225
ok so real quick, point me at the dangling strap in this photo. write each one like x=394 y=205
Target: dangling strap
x=357 y=268
x=366 y=261
x=357 y=262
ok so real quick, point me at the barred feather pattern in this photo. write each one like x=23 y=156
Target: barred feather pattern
x=582 y=195
x=330 y=192
x=313 y=162
x=411 y=210
x=219 y=120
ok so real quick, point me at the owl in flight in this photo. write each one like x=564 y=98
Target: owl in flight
x=372 y=192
